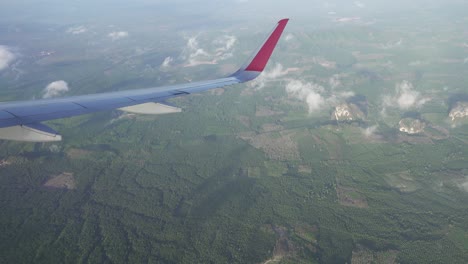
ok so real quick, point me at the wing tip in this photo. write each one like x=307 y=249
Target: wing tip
x=262 y=57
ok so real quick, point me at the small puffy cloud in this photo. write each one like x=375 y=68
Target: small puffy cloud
x=314 y=101
x=289 y=37
x=167 y=62
x=225 y=45
x=392 y=44
x=222 y=49
x=118 y=35
x=359 y=4
x=77 y=30
x=464 y=185
x=338 y=97
x=55 y=89
x=313 y=95
x=267 y=76
x=194 y=55
x=369 y=131
x=334 y=81
x=6 y=57
x=405 y=97
x=347 y=19
x=416 y=63
x=225 y=42
x=307 y=92
x=192 y=44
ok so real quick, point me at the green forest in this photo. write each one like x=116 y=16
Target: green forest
x=252 y=173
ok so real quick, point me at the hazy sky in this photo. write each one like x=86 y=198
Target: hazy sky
x=118 y=11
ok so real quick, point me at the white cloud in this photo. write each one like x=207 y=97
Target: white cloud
x=167 y=62
x=6 y=57
x=359 y=4
x=465 y=61
x=313 y=95
x=55 y=89
x=415 y=63
x=289 y=37
x=369 y=131
x=118 y=35
x=314 y=101
x=334 y=81
x=307 y=92
x=392 y=44
x=77 y=30
x=225 y=43
x=338 y=97
x=192 y=45
x=464 y=185
x=267 y=76
x=194 y=55
x=405 y=97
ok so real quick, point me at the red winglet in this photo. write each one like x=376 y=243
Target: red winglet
x=260 y=60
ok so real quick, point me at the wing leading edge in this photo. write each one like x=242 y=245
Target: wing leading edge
x=20 y=120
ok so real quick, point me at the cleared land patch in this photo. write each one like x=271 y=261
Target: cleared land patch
x=279 y=146
x=351 y=197
x=62 y=181
x=363 y=255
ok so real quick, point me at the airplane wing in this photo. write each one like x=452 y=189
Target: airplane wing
x=21 y=120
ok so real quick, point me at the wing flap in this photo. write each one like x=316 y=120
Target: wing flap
x=151 y=108
x=31 y=133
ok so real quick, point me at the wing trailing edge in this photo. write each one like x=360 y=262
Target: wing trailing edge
x=151 y=108
x=30 y=133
